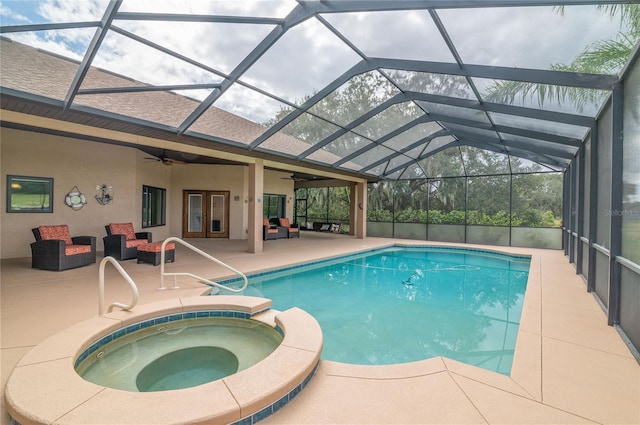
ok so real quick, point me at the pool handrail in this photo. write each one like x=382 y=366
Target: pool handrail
x=126 y=277
x=200 y=278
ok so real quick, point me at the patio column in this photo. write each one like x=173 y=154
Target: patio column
x=360 y=200
x=256 y=190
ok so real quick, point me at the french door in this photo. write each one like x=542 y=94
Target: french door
x=205 y=214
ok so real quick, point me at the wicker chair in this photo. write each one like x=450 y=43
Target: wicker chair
x=55 y=249
x=293 y=231
x=122 y=242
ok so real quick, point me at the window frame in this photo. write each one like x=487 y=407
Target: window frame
x=13 y=190
x=274 y=200
x=149 y=206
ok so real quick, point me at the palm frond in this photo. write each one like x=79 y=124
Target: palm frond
x=601 y=57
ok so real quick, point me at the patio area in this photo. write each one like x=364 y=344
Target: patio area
x=569 y=366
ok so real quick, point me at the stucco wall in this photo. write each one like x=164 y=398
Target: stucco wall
x=208 y=177
x=85 y=164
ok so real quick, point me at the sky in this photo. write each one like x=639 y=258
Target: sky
x=309 y=55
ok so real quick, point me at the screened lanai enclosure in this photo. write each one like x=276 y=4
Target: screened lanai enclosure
x=497 y=122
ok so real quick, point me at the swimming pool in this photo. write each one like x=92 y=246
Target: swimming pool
x=403 y=304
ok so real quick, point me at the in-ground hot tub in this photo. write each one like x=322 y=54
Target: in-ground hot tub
x=44 y=387
x=178 y=351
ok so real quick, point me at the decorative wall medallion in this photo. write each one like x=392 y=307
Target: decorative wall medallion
x=105 y=196
x=75 y=199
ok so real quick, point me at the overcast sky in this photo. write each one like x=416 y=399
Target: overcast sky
x=308 y=56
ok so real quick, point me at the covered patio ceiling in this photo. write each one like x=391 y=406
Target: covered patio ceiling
x=371 y=88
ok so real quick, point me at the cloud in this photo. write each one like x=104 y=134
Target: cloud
x=71 y=10
x=11 y=15
x=301 y=62
x=525 y=37
x=249 y=104
x=53 y=41
x=399 y=35
x=308 y=56
x=219 y=46
x=260 y=8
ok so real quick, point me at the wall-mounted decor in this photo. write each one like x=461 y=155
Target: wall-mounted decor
x=27 y=194
x=75 y=199
x=105 y=197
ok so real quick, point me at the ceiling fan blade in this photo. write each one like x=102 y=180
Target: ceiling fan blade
x=169 y=161
x=294 y=178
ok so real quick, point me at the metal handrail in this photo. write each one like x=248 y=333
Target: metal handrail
x=124 y=274
x=200 y=278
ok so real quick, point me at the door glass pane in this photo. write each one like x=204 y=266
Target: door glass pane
x=195 y=213
x=217 y=214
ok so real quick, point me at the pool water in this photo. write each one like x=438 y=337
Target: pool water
x=406 y=304
x=179 y=354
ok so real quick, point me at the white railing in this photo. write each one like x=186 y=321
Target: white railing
x=199 y=278
x=124 y=274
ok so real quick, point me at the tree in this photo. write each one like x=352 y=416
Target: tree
x=602 y=57
x=359 y=95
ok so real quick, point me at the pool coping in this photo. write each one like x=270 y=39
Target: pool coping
x=44 y=387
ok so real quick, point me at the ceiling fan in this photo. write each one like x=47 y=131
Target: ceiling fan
x=165 y=159
x=295 y=178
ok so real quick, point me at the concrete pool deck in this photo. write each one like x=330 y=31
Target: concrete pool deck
x=569 y=367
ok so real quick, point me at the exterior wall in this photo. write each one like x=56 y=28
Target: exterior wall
x=72 y=162
x=85 y=164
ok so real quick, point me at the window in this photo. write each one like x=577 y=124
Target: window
x=154 y=206
x=29 y=194
x=274 y=206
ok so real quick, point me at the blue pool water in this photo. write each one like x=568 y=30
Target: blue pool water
x=405 y=304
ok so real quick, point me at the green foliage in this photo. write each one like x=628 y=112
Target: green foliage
x=326 y=204
x=411 y=215
x=451 y=217
x=379 y=215
x=535 y=199
x=532 y=218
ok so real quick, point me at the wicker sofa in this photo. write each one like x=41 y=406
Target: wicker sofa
x=122 y=241
x=55 y=249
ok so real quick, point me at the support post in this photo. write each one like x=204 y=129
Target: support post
x=256 y=190
x=361 y=210
x=615 y=249
x=593 y=208
x=581 y=190
x=573 y=210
